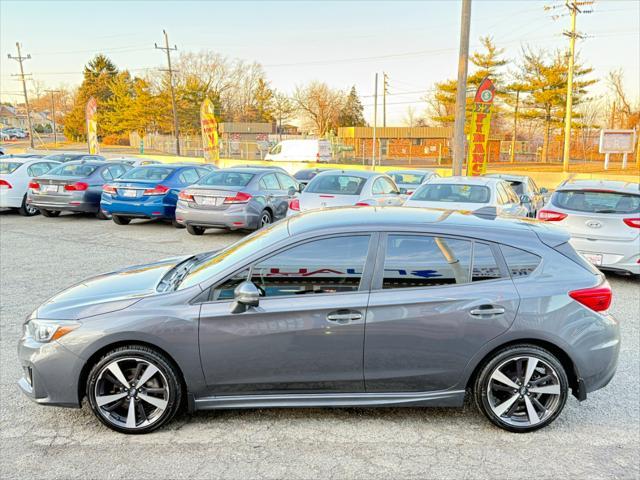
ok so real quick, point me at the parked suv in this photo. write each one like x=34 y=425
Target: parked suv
x=451 y=302
x=603 y=218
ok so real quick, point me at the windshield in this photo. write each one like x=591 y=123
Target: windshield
x=597 y=201
x=442 y=192
x=214 y=264
x=227 y=179
x=337 y=184
x=149 y=173
x=305 y=174
x=9 y=167
x=73 y=170
x=407 y=178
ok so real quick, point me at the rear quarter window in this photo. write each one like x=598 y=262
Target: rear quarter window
x=519 y=262
x=597 y=201
x=8 y=167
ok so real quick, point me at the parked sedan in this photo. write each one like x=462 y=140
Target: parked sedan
x=73 y=187
x=468 y=193
x=338 y=188
x=304 y=176
x=409 y=180
x=73 y=157
x=15 y=176
x=134 y=162
x=148 y=192
x=236 y=198
x=603 y=218
x=531 y=196
x=339 y=308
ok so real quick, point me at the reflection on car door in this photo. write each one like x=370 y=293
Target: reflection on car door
x=287 y=186
x=307 y=333
x=385 y=192
x=434 y=302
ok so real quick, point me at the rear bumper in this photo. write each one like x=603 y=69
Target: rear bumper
x=234 y=217
x=616 y=255
x=10 y=198
x=75 y=202
x=154 y=208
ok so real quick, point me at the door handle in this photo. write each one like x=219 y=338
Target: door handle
x=491 y=310
x=344 y=316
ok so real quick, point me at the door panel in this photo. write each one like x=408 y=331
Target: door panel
x=284 y=345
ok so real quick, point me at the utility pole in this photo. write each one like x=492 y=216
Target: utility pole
x=461 y=93
x=173 y=94
x=375 y=121
x=384 y=98
x=53 y=114
x=515 y=127
x=20 y=59
x=574 y=9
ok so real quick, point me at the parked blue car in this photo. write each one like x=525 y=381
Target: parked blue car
x=150 y=191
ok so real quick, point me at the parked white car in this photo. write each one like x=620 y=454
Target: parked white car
x=15 y=175
x=468 y=193
x=409 y=180
x=603 y=218
x=301 y=151
x=340 y=188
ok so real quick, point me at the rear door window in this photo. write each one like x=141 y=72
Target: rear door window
x=383 y=186
x=37 y=169
x=189 y=176
x=597 y=201
x=286 y=181
x=269 y=182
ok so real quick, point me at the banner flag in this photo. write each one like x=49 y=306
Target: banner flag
x=209 y=126
x=480 y=126
x=92 y=126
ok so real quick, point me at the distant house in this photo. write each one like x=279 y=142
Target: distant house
x=9 y=117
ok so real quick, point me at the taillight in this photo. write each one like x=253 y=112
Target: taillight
x=239 y=197
x=78 y=186
x=597 y=298
x=4 y=184
x=294 y=205
x=157 y=190
x=110 y=189
x=34 y=185
x=362 y=204
x=632 y=222
x=187 y=197
x=551 y=216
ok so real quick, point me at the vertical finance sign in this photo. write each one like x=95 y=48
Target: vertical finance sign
x=92 y=126
x=480 y=125
x=209 y=125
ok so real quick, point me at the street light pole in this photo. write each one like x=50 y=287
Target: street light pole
x=461 y=93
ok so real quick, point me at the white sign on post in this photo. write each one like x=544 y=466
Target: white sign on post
x=617 y=141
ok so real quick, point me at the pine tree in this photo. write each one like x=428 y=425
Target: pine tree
x=352 y=114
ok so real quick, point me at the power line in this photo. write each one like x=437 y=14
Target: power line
x=22 y=75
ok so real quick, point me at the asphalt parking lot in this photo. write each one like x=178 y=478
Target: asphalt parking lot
x=39 y=256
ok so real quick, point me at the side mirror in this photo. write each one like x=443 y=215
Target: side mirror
x=525 y=199
x=245 y=295
x=292 y=191
x=544 y=190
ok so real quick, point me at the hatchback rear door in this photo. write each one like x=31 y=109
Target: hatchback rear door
x=434 y=302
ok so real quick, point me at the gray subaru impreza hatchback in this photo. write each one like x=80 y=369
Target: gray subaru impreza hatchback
x=335 y=308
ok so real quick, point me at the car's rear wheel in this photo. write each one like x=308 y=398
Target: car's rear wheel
x=176 y=224
x=102 y=215
x=49 y=213
x=194 y=230
x=522 y=388
x=27 y=210
x=266 y=219
x=120 y=220
x=134 y=389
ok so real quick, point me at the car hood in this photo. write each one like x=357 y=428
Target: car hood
x=106 y=293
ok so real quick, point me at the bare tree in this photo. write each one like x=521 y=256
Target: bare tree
x=283 y=108
x=410 y=116
x=319 y=106
x=623 y=112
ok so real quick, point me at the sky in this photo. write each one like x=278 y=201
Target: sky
x=343 y=43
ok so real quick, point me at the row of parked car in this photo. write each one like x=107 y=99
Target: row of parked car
x=602 y=216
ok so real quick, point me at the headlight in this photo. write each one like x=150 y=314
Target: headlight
x=47 y=330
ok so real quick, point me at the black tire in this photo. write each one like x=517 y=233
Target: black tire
x=503 y=358
x=27 y=210
x=175 y=223
x=166 y=372
x=120 y=220
x=194 y=230
x=102 y=215
x=265 y=219
x=49 y=213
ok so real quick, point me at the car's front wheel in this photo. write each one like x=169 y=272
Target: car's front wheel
x=134 y=389
x=27 y=210
x=195 y=230
x=120 y=220
x=522 y=388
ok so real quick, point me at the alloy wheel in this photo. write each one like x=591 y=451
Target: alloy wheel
x=131 y=393
x=524 y=391
x=265 y=219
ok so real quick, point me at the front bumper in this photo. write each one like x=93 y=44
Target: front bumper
x=233 y=217
x=616 y=255
x=50 y=373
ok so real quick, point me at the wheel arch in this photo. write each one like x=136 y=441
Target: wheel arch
x=95 y=357
x=575 y=382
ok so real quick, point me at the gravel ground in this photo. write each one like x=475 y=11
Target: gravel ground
x=39 y=256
